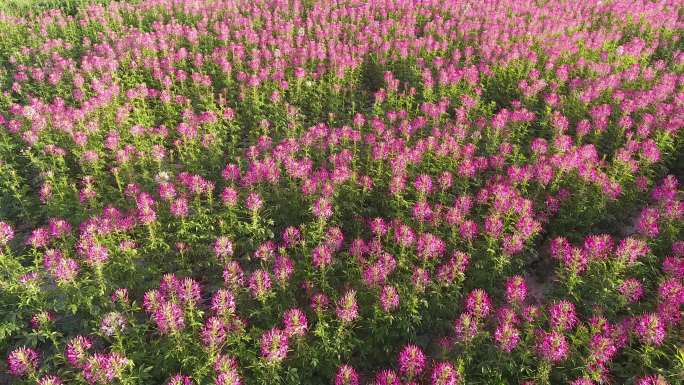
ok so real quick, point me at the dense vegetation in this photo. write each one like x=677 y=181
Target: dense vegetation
x=342 y=192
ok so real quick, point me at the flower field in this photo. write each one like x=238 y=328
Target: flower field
x=347 y=192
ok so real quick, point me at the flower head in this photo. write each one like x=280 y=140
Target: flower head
x=552 y=346
x=274 y=344
x=295 y=323
x=411 y=361
x=22 y=361
x=346 y=375
x=347 y=308
x=444 y=373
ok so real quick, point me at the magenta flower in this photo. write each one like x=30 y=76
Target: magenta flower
x=120 y=295
x=295 y=323
x=478 y=303
x=179 y=379
x=225 y=363
x=347 y=308
x=229 y=197
x=423 y=184
x=283 y=268
x=223 y=303
x=6 y=233
x=655 y=379
x=169 y=318
x=274 y=345
x=562 y=316
x=404 y=235
x=506 y=337
x=387 y=377
x=647 y=223
x=631 y=289
x=650 y=329
x=189 y=292
x=389 y=298
x=319 y=302
x=50 y=380
x=321 y=257
x=322 y=209
x=104 y=368
x=443 y=373
x=223 y=247
x=259 y=283
x=179 y=208
x=229 y=377
x=22 y=361
x=253 y=202
x=420 y=279
x=411 y=361
x=112 y=323
x=291 y=236
x=213 y=332
x=346 y=375
x=430 y=246
x=552 y=346
x=602 y=348
x=77 y=351
x=233 y=275
x=466 y=327
x=516 y=290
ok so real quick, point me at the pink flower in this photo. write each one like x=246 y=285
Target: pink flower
x=478 y=303
x=223 y=303
x=466 y=327
x=647 y=223
x=120 y=295
x=655 y=379
x=223 y=247
x=112 y=323
x=22 y=361
x=516 y=290
x=179 y=379
x=50 y=380
x=506 y=337
x=6 y=233
x=291 y=236
x=169 y=318
x=321 y=257
x=347 y=308
x=77 y=351
x=423 y=184
x=104 y=368
x=295 y=323
x=411 y=361
x=229 y=197
x=562 y=315
x=259 y=283
x=430 y=246
x=552 y=346
x=213 y=332
x=650 y=329
x=346 y=375
x=631 y=289
x=233 y=275
x=274 y=345
x=444 y=373
x=389 y=298
x=319 y=302
x=387 y=377
x=253 y=202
